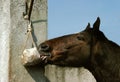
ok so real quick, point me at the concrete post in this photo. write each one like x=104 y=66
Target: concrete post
x=4 y=39
x=68 y=74
x=17 y=72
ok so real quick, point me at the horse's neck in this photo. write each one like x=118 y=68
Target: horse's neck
x=113 y=49
x=105 y=61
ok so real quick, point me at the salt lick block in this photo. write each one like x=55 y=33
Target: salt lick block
x=30 y=57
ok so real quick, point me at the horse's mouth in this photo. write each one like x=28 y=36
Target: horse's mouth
x=44 y=56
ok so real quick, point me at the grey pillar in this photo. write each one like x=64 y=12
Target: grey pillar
x=4 y=39
x=68 y=74
x=17 y=72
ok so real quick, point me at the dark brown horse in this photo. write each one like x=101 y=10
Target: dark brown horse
x=89 y=48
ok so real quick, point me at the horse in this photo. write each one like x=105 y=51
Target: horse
x=89 y=48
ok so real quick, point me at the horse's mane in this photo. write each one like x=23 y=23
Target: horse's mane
x=102 y=37
x=114 y=44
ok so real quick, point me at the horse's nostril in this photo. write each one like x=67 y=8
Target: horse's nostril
x=44 y=47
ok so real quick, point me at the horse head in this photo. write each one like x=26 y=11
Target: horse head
x=73 y=49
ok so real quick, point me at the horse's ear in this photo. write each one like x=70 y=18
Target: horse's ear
x=88 y=26
x=96 y=25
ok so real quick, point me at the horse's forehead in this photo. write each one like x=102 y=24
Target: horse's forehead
x=85 y=33
x=69 y=38
x=64 y=38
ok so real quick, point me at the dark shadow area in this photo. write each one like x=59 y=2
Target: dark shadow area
x=37 y=21
x=33 y=33
x=37 y=73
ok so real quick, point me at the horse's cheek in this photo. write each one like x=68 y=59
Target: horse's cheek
x=85 y=52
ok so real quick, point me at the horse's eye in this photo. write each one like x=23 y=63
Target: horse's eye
x=80 y=38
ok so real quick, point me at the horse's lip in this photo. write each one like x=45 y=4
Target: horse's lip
x=44 y=56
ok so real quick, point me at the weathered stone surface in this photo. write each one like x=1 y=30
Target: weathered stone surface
x=4 y=39
x=68 y=74
x=18 y=73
